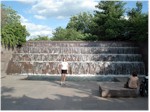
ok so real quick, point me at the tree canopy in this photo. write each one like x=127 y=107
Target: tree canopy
x=107 y=23
x=67 y=34
x=13 y=32
x=39 y=37
x=81 y=22
x=137 y=23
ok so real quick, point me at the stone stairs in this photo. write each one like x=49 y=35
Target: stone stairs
x=103 y=58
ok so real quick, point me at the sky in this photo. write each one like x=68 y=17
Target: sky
x=42 y=17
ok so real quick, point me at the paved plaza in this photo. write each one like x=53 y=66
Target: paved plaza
x=17 y=93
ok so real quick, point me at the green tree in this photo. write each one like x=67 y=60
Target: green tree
x=138 y=23
x=38 y=38
x=81 y=22
x=9 y=16
x=13 y=33
x=109 y=23
x=67 y=34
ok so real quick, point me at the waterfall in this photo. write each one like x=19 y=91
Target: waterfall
x=84 y=58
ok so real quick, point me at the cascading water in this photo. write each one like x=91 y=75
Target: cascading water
x=88 y=58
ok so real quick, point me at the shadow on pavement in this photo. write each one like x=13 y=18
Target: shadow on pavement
x=63 y=102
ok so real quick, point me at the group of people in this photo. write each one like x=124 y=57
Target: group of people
x=132 y=82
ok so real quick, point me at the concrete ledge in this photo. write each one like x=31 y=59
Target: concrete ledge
x=116 y=89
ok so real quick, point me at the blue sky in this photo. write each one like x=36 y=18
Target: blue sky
x=42 y=17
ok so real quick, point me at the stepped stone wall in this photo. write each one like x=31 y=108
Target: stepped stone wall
x=6 y=55
x=143 y=46
x=88 y=58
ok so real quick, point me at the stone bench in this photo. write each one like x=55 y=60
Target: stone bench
x=116 y=89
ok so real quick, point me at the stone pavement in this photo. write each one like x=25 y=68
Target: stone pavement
x=20 y=94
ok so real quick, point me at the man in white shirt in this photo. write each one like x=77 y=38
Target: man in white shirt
x=64 y=70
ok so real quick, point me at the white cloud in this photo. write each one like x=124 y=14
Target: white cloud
x=36 y=29
x=55 y=9
x=62 y=8
x=60 y=17
x=39 y=17
x=23 y=19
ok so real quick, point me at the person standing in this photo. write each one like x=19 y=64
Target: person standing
x=64 y=71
